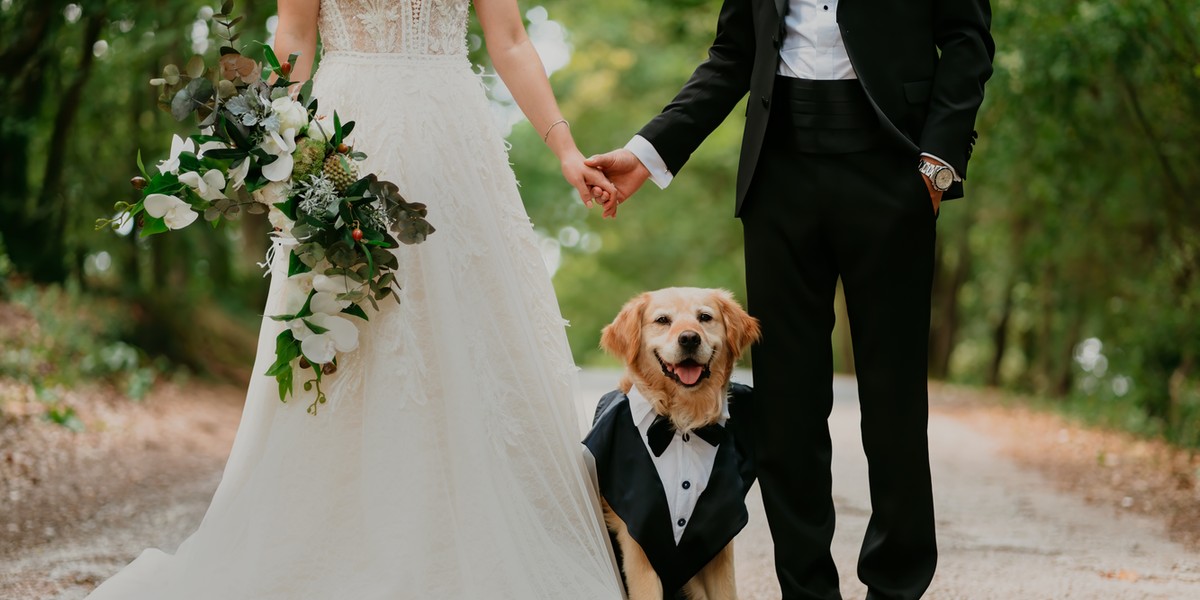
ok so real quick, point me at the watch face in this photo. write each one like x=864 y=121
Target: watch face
x=943 y=179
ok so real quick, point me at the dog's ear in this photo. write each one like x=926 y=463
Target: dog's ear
x=623 y=337
x=741 y=329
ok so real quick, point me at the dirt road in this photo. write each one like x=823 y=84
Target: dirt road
x=1005 y=530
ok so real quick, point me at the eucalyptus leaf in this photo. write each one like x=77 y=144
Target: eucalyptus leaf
x=226 y=89
x=192 y=96
x=195 y=67
x=353 y=296
x=341 y=254
x=303 y=232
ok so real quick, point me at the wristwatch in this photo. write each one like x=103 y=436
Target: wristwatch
x=940 y=175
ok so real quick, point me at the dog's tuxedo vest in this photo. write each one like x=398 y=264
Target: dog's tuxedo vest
x=631 y=486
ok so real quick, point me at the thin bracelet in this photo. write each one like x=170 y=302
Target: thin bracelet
x=546 y=138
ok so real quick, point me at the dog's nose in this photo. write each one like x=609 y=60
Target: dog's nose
x=689 y=340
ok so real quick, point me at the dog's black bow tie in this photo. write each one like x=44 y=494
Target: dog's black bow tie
x=662 y=431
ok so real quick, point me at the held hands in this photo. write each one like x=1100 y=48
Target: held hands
x=626 y=173
x=589 y=181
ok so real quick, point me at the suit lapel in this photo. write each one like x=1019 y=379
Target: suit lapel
x=631 y=485
x=781 y=7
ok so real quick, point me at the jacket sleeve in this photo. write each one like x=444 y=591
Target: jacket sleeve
x=714 y=89
x=962 y=33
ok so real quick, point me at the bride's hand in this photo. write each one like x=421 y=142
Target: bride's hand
x=585 y=178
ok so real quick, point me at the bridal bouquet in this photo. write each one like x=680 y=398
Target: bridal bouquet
x=261 y=147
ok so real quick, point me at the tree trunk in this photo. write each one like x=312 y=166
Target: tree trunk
x=943 y=333
x=45 y=244
x=1000 y=336
x=1066 y=355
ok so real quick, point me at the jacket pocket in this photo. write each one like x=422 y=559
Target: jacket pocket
x=917 y=92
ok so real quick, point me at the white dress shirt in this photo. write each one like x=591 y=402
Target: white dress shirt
x=812 y=49
x=683 y=468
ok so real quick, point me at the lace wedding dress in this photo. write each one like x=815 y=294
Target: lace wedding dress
x=447 y=463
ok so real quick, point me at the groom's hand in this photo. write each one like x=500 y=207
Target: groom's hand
x=625 y=172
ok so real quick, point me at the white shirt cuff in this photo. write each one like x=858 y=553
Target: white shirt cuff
x=952 y=169
x=645 y=152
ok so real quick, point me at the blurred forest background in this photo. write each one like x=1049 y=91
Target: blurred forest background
x=1070 y=273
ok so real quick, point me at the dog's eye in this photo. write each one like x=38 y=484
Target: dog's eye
x=663 y=320
x=704 y=317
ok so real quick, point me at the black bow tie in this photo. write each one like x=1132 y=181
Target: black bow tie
x=662 y=431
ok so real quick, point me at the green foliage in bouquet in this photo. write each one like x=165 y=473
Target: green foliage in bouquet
x=262 y=146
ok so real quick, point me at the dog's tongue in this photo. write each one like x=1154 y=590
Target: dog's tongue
x=689 y=374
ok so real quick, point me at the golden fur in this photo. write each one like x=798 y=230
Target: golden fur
x=645 y=336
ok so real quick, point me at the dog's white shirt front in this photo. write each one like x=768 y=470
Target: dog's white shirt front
x=683 y=468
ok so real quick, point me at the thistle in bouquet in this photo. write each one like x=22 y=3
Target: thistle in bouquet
x=262 y=146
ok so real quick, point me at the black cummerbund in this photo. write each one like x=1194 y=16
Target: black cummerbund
x=825 y=116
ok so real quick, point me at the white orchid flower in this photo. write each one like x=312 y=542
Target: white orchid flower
x=178 y=146
x=237 y=176
x=207 y=186
x=327 y=303
x=176 y=213
x=328 y=288
x=206 y=146
x=280 y=146
x=341 y=335
x=337 y=284
x=296 y=290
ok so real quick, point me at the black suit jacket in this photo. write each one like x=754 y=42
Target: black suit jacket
x=926 y=102
x=630 y=483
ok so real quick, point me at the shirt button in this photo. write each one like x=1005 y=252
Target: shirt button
x=826 y=7
x=687 y=485
x=681 y=522
x=687 y=437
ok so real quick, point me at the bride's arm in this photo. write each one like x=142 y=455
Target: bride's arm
x=518 y=64
x=297 y=33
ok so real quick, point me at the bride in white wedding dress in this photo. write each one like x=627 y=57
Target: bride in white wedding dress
x=447 y=463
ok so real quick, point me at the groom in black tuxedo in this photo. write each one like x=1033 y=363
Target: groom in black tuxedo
x=860 y=120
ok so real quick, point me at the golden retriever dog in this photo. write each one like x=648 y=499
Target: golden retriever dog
x=679 y=346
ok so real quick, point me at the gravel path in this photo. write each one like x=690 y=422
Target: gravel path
x=1005 y=531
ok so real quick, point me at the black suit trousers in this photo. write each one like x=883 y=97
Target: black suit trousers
x=866 y=217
